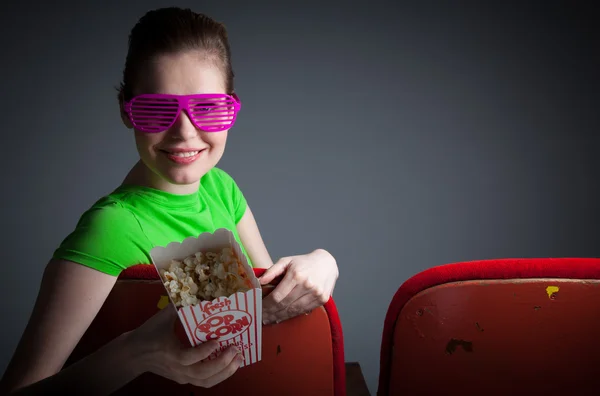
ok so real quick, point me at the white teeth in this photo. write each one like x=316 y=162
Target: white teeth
x=186 y=154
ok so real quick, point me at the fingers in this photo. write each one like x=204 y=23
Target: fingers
x=273 y=305
x=274 y=301
x=275 y=270
x=208 y=368
x=187 y=356
x=267 y=289
x=211 y=372
x=225 y=373
x=304 y=304
x=158 y=323
x=166 y=316
x=285 y=287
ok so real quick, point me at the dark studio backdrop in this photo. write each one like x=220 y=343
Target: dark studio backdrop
x=397 y=135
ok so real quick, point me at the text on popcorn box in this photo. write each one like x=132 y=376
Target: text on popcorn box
x=223 y=326
x=210 y=306
x=242 y=346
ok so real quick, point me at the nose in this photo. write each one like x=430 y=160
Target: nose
x=183 y=128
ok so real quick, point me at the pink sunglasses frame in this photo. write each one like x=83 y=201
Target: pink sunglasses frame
x=183 y=102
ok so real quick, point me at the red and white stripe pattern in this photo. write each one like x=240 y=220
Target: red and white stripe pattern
x=226 y=319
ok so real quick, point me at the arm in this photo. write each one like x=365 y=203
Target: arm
x=307 y=282
x=252 y=241
x=100 y=373
x=70 y=296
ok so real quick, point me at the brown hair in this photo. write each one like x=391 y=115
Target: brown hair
x=171 y=30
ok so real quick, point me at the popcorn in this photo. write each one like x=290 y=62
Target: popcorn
x=204 y=277
x=215 y=291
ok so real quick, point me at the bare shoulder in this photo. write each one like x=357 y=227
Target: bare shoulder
x=69 y=298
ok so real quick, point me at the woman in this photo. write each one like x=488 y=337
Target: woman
x=177 y=96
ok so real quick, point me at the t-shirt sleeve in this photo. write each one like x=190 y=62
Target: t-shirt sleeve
x=233 y=194
x=107 y=238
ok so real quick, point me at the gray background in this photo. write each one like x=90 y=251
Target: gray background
x=397 y=136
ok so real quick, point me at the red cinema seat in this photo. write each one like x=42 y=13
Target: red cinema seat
x=301 y=356
x=495 y=327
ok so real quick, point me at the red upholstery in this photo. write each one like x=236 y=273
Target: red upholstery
x=304 y=355
x=511 y=326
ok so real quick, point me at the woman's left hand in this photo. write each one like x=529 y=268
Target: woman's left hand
x=307 y=284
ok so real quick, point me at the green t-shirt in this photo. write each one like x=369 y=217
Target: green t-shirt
x=120 y=229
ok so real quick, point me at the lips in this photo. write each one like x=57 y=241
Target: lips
x=182 y=156
x=174 y=150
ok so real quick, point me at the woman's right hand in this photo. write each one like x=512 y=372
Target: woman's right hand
x=160 y=352
x=70 y=297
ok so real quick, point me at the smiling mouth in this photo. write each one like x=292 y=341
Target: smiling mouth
x=182 y=154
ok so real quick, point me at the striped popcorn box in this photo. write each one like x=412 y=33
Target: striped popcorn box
x=235 y=319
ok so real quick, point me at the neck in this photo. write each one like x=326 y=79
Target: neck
x=141 y=175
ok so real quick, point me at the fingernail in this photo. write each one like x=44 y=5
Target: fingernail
x=213 y=344
x=266 y=322
x=236 y=349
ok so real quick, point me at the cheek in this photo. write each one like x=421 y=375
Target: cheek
x=145 y=142
x=216 y=140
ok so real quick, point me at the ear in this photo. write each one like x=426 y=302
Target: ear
x=124 y=116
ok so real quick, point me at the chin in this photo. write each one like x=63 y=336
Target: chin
x=182 y=181
x=189 y=175
x=182 y=178
x=181 y=175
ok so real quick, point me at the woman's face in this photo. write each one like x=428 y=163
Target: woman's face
x=178 y=157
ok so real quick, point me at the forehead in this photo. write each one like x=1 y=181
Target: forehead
x=181 y=74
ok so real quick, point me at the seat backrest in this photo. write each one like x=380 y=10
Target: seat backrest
x=495 y=327
x=300 y=356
